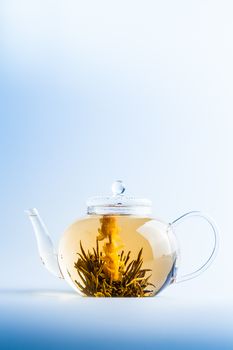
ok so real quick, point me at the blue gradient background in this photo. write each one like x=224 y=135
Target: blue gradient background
x=98 y=90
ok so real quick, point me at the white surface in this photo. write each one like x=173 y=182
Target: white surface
x=38 y=318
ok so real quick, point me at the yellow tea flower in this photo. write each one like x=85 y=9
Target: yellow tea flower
x=110 y=230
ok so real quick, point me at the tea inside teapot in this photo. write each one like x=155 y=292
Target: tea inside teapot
x=117 y=256
x=117 y=249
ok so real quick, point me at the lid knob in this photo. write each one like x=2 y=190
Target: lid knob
x=118 y=188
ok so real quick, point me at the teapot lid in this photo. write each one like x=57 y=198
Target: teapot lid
x=118 y=203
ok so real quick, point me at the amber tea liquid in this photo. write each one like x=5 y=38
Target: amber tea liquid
x=117 y=256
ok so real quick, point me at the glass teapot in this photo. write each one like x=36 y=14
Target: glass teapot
x=117 y=249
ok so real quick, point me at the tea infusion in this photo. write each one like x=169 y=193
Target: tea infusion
x=113 y=259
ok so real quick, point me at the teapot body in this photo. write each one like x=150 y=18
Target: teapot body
x=117 y=249
x=118 y=256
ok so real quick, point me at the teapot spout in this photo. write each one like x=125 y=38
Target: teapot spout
x=44 y=243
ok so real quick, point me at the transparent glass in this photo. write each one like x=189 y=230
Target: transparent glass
x=45 y=246
x=198 y=215
x=124 y=255
x=118 y=256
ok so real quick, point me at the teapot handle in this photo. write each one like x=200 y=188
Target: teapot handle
x=210 y=259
